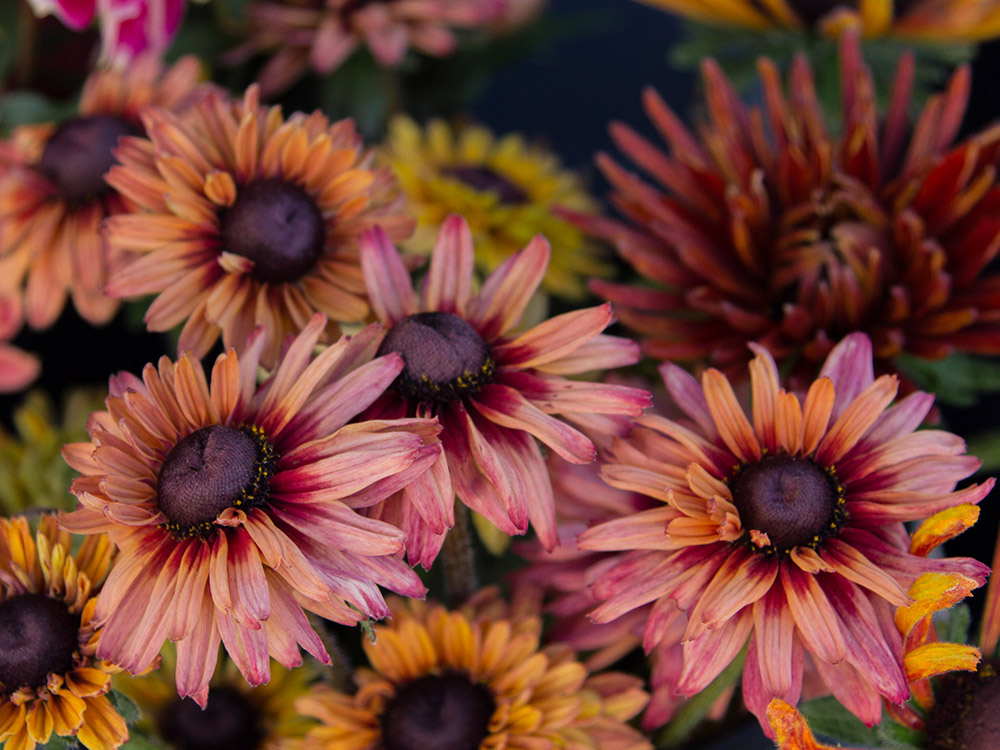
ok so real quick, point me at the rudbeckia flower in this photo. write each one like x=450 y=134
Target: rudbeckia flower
x=783 y=529
x=495 y=390
x=232 y=505
x=17 y=367
x=244 y=218
x=473 y=678
x=51 y=681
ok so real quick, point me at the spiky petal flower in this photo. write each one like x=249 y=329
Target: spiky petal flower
x=768 y=228
x=53 y=196
x=232 y=505
x=244 y=218
x=475 y=677
x=784 y=529
x=50 y=679
x=494 y=390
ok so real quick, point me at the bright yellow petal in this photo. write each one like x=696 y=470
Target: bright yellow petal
x=937 y=658
x=941 y=527
x=932 y=592
x=790 y=728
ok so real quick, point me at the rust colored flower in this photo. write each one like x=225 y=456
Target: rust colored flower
x=53 y=196
x=784 y=529
x=473 y=678
x=769 y=228
x=494 y=390
x=232 y=505
x=17 y=367
x=243 y=218
x=50 y=678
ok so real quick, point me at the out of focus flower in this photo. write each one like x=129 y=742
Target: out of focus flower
x=783 y=530
x=245 y=219
x=475 y=677
x=17 y=367
x=769 y=229
x=495 y=391
x=53 y=196
x=128 y=27
x=232 y=505
x=308 y=35
x=926 y=20
x=504 y=188
x=50 y=680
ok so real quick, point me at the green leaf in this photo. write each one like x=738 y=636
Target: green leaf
x=125 y=706
x=141 y=742
x=954 y=626
x=955 y=380
x=986 y=447
x=903 y=738
x=828 y=717
x=60 y=743
x=27 y=107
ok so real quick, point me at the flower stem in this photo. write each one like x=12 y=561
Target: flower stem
x=459 y=560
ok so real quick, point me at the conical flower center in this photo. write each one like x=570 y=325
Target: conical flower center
x=445 y=357
x=276 y=225
x=484 y=179
x=966 y=712
x=38 y=635
x=79 y=154
x=791 y=500
x=444 y=712
x=229 y=722
x=212 y=469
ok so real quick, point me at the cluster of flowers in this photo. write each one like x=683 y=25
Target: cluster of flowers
x=777 y=509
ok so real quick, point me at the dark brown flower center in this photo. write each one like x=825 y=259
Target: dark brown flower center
x=38 y=635
x=485 y=180
x=79 y=154
x=444 y=712
x=228 y=722
x=212 y=469
x=966 y=712
x=276 y=225
x=445 y=357
x=792 y=500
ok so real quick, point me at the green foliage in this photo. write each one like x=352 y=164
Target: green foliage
x=828 y=717
x=986 y=447
x=956 y=380
x=953 y=626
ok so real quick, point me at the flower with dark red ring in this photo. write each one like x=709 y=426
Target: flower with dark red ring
x=783 y=529
x=495 y=391
x=233 y=505
x=769 y=228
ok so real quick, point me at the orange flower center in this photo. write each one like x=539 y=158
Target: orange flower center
x=229 y=722
x=276 y=225
x=791 y=500
x=445 y=357
x=445 y=712
x=210 y=470
x=485 y=180
x=966 y=712
x=79 y=154
x=38 y=635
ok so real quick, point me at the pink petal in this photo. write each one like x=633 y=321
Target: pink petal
x=390 y=290
x=506 y=292
x=448 y=284
x=556 y=337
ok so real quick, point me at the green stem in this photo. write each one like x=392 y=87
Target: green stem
x=459 y=560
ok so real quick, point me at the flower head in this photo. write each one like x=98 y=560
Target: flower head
x=244 y=219
x=769 y=229
x=475 y=677
x=232 y=505
x=784 y=529
x=50 y=679
x=53 y=196
x=495 y=391
x=503 y=188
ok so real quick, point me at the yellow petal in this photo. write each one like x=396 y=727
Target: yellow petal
x=937 y=658
x=941 y=527
x=790 y=728
x=932 y=592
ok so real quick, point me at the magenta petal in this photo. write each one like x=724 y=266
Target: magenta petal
x=557 y=337
x=849 y=366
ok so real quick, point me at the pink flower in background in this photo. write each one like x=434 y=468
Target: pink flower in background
x=17 y=367
x=128 y=27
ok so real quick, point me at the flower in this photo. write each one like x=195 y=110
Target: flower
x=493 y=390
x=504 y=188
x=475 y=677
x=246 y=219
x=319 y=36
x=232 y=505
x=50 y=679
x=53 y=197
x=770 y=229
x=128 y=27
x=926 y=20
x=783 y=530
x=17 y=367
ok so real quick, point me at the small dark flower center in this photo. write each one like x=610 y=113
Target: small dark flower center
x=445 y=357
x=79 y=154
x=276 y=225
x=484 y=179
x=444 y=712
x=38 y=635
x=212 y=469
x=792 y=500
x=229 y=722
x=966 y=712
